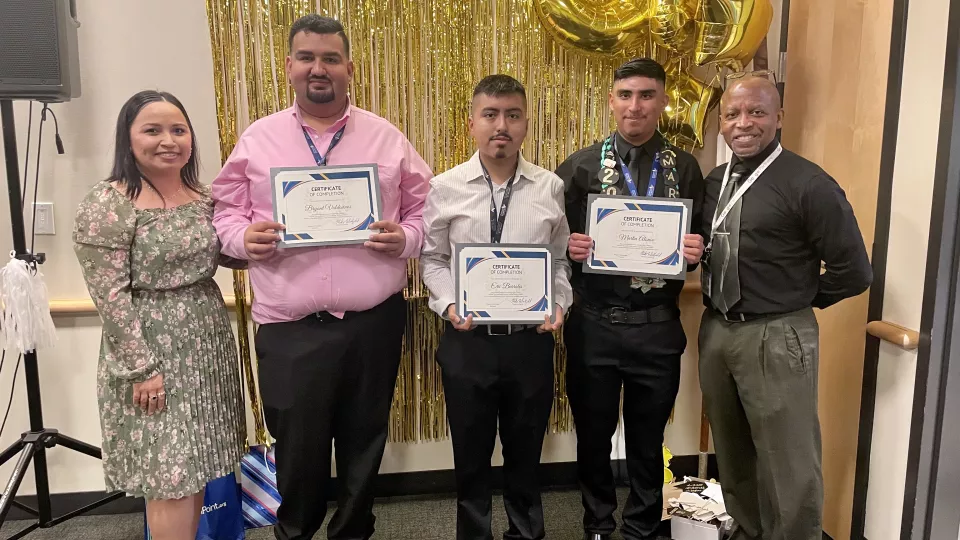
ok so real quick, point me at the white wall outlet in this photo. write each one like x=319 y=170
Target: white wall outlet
x=43 y=218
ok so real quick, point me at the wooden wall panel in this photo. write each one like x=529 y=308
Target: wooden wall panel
x=835 y=95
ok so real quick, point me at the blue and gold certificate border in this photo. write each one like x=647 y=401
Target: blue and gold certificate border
x=647 y=204
x=468 y=256
x=369 y=171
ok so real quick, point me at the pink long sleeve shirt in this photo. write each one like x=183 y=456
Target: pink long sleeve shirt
x=296 y=282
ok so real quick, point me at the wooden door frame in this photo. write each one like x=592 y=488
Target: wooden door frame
x=868 y=395
x=932 y=490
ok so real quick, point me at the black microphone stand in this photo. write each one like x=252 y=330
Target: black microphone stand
x=32 y=445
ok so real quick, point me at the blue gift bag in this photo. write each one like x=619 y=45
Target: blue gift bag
x=220 y=518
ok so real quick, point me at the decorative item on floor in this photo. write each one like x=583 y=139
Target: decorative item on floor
x=667 y=473
x=259 y=496
x=220 y=517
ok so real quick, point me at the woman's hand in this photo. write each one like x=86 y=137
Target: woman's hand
x=149 y=394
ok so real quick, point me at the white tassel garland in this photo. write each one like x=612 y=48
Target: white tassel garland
x=25 y=321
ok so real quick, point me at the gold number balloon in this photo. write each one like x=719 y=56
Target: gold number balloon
x=672 y=25
x=596 y=26
x=730 y=31
x=724 y=33
x=685 y=119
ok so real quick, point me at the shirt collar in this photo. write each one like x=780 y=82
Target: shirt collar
x=342 y=121
x=652 y=146
x=475 y=168
x=751 y=163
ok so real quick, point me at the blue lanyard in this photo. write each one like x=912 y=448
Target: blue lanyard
x=631 y=185
x=322 y=160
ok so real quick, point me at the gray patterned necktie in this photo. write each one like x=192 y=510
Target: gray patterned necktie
x=725 y=275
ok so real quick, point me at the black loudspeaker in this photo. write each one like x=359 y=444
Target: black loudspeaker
x=38 y=50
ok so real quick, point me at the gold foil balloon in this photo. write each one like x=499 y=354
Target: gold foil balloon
x=672 y=25
x=596 y=26
x=730 y=31
x=685 y=119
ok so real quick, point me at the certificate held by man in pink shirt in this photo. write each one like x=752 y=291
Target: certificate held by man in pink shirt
x=331 y=318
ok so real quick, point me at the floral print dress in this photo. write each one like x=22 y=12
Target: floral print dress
x=150 y=274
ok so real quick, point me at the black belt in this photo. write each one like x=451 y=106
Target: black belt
x=739 y=317
x=327 y=317
x=619 y=315
x=507 y=329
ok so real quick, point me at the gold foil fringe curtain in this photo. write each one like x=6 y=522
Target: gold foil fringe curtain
x=416 y=64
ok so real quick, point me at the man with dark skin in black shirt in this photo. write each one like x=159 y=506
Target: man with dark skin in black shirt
x=771 y=218
x=623 y=331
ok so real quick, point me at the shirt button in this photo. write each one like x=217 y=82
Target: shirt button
x=323 y=277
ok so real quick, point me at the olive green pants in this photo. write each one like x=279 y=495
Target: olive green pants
x=759 y=383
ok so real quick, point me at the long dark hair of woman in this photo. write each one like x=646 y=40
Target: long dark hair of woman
x=125 y=169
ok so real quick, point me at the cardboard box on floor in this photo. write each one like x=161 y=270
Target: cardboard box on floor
x=691 y=529
x=682 y=528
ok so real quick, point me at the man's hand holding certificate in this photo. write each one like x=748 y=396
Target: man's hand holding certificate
x=637 y=236
x=322 y=206
x=504 y=283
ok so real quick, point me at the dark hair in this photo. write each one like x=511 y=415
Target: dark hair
x=641 y=67
x=125 y=168
x=499 y=85
x=318 y=24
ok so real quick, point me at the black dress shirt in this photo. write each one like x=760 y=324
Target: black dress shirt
x=792 y=218
x=580 y=176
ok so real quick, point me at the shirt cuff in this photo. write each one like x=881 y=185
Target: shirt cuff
x=411 y=248
x=233 y=244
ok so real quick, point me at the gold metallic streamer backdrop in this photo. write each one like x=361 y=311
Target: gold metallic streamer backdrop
x=416 y=64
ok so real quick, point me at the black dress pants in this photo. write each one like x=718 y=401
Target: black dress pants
x=485 y=379
x=324 y=379
x=644 y=360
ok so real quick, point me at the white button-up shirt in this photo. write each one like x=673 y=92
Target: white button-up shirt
x=457 y=211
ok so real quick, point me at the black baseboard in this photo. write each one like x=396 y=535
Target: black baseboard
x=553 y=476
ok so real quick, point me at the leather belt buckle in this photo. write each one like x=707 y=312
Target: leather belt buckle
x=499 y=329
x=736 y=317
x=617 y=315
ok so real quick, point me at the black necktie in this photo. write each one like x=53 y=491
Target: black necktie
x=725 y=276
x=633 y=162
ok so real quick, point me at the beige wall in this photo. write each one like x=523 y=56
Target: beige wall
x=125 y=47
x=906 y=260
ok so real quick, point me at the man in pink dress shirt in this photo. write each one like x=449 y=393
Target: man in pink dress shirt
x=331 y=318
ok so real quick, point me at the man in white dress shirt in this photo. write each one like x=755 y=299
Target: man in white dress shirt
x=496 y=372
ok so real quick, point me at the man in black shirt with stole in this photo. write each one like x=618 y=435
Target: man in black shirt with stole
x=771 y=217
x=625 y=331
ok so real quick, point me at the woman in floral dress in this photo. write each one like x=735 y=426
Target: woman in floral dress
x=171 y=411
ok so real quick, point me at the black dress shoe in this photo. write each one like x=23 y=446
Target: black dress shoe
x=595 y=536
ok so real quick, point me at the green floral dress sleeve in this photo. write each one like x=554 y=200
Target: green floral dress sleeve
x=105 y=229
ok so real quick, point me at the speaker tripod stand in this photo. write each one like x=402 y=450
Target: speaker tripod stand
x=33 y=444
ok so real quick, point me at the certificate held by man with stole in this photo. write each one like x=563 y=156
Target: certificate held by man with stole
x=504 y=283
x=637 y=236
x=329 y=205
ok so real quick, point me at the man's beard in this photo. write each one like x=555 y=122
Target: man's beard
x=321 y=96
x=501 y=153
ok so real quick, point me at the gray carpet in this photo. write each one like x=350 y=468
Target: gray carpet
x=399 y=519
